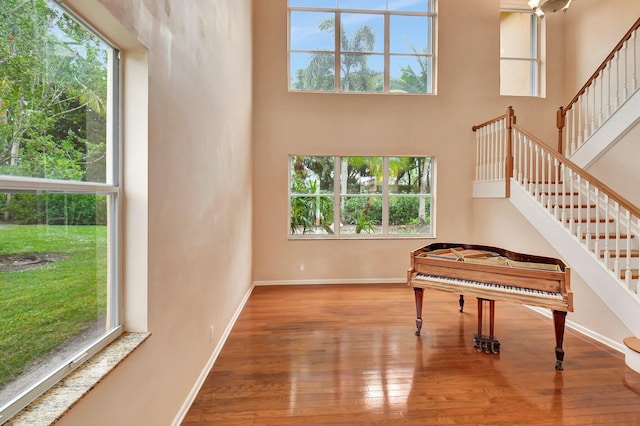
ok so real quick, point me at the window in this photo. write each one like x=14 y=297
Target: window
x=519 y=54
x=59 y=197
x=385 y=46
x=346 y=197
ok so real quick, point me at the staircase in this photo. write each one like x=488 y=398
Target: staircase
x=595 y=230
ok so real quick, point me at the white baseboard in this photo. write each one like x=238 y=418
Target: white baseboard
x=334 y=281
x=585 y=331
x=207 y=368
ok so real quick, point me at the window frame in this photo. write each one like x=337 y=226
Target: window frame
x=111 y=188
x=535 y=59
x=386 y=54
x=384 y=194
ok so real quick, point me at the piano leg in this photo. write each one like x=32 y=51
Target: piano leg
x=481 y=342
x=418 y=292
x=559 y=318
x=461 y=303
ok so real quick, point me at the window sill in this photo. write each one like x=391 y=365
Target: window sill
x=55 y=402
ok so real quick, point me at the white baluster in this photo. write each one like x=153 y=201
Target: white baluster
x=616 y=209
x=600 y=118
x=587 y=221
x=556 y=165
x=625 y=45
x=608 y=69
x=607 y=250
x=537 y=173
x=563 y=208
x=594 y=106
x=596 y=246
x=617 y=82
x=627 y=272
x=579 y=208
x=634 y=81
x=570 y=204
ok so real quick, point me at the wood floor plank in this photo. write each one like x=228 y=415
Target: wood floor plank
x=347 y=354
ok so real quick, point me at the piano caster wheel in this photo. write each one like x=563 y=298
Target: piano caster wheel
x=417 y=333
x=559 y=365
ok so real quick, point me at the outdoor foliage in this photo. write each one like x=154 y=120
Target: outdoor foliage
x=361 y=189
x=53 y=91
x=355 y=72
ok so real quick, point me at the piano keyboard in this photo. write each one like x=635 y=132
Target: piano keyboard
x=491 y=286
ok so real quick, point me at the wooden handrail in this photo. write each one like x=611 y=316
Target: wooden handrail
x=562 y=111
x=604 y=63
x=602 y=187
x=486 y=123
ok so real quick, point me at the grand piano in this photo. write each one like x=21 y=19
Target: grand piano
x=491 y=274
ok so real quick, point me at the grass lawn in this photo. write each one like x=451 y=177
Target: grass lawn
x=42 y=308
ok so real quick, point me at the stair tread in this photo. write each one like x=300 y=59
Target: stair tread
x=635 y=274
x=592 y=220
x=632 y=343
x=610 y=236
x=623 y=253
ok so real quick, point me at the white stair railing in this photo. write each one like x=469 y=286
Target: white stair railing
x=607 y=225
x=615 y=80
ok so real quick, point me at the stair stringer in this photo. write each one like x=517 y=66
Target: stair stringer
x=609 y=132
x=622 y=302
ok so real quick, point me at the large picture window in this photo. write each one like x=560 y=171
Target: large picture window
x=347 y=197
x=59 y=197
x=357 y=46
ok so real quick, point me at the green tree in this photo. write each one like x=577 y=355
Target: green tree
x=413 y=81
x=53 y=91
x=355 y=74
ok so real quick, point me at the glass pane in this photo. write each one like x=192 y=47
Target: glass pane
x=53 y=283
x=361 y=175
x=312 y=72
x=361 y=4
x=313 y=3
x=410 y=74
x=311 y=215
x=362 y=73
x=517 y=35
x=409 y=34
x=312 y=31
x=362 y=32
x=360 y=215
x=311 y=175
x=54 y=97
x=409 y=215
x=518 y=78
x=410 y=5
x=409 y=175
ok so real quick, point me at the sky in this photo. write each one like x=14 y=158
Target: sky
x=406 y=32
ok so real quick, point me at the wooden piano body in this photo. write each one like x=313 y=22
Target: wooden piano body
x=492 y=273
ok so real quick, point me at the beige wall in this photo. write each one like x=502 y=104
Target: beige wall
x=199 y=202
x=360 y=124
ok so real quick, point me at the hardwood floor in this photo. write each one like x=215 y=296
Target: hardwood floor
x=348 y=355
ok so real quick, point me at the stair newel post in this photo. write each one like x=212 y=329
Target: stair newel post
x=508 y=164
x=560 y=119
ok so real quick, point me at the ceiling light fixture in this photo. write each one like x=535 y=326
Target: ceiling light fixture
x=540 y=7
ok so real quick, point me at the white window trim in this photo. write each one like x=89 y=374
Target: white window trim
x=337 y=194
x=386 y=53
